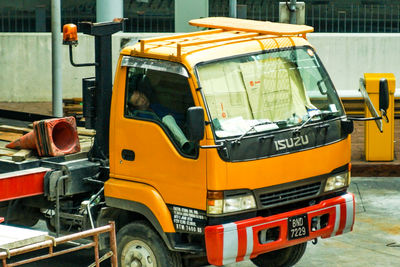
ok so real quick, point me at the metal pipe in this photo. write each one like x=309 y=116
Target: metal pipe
x=56 y=58
x=47 y=256
x=90 y=203
x=96 y=250
x=292 y=12
x=83 y=234
x=113 y=244
x=71 y=60
x=90 y=215
x=233 y=8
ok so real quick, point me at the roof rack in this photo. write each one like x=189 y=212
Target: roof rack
x=244 y=29
x=246 y=25
x=166 y=38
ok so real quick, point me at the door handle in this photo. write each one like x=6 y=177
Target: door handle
x=128 y=155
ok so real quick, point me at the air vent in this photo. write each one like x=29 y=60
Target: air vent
x=288 y=195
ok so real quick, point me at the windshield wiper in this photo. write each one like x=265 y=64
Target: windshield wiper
x=322 y=114
x=237 y=140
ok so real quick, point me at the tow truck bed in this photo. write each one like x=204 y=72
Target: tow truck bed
x=22 y=172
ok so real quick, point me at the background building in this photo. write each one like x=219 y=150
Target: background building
x=158 y=15
x=352 y=38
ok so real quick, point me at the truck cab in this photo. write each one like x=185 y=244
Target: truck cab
x=229 y=143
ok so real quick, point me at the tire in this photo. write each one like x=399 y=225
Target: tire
x=139 y=243
x=19 y=215
x=285 y=257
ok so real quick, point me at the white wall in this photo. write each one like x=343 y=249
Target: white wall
x=186 y=10
x=348 y=56
x=25 y=61
x=25 y=66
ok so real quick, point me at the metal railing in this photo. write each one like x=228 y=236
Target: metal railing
x=354 y=18
x=52 y=242
x=151 y=16
x=158 y=15
x=327 y=17
x=13 y=20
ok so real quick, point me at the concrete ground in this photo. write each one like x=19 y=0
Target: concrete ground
x=375 y=240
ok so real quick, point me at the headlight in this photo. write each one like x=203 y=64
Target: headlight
x=218 y=204
x=337 y=181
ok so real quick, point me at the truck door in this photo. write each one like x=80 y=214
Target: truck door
x=149 y=136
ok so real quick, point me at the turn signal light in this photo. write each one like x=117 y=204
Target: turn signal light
x=70 y=34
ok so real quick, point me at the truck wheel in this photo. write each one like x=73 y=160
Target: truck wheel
x=139 y=245
x=281 y=258
x=20 y=215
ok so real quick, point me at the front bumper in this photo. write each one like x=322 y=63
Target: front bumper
x=237 y=241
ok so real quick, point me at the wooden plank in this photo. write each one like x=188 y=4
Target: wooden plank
x=3 y=144
x=75 y=107
x=76 y=114
x=86 y=132
x=85 y=139
x=76 y=156
x=14 y=237
x=7 y=153
x=22 y=155
x=9 y=136
x=14 y=129
x=72 y=100
x=85 y=147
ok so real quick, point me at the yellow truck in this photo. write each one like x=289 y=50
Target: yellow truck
x=226 y=144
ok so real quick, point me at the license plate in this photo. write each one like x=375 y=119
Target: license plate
x=298 y=227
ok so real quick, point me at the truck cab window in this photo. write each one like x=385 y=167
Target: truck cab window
x=161 y=97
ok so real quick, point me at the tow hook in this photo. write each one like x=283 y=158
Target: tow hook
x=314 y=241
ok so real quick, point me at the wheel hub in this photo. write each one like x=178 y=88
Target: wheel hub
x=138 y=254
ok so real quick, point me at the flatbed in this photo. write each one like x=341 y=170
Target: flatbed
x=23 y=174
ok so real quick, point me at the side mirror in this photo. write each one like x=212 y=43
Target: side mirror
x=383 y=95
x=196 y=123
x=347 y=126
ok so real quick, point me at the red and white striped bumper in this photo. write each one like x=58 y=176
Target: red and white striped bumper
x=237 y=241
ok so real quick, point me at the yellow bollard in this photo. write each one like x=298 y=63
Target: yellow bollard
x=379 y=146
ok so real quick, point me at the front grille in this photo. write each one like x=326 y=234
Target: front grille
x=288 y=195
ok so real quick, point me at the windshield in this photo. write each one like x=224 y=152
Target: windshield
x=267 y=91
